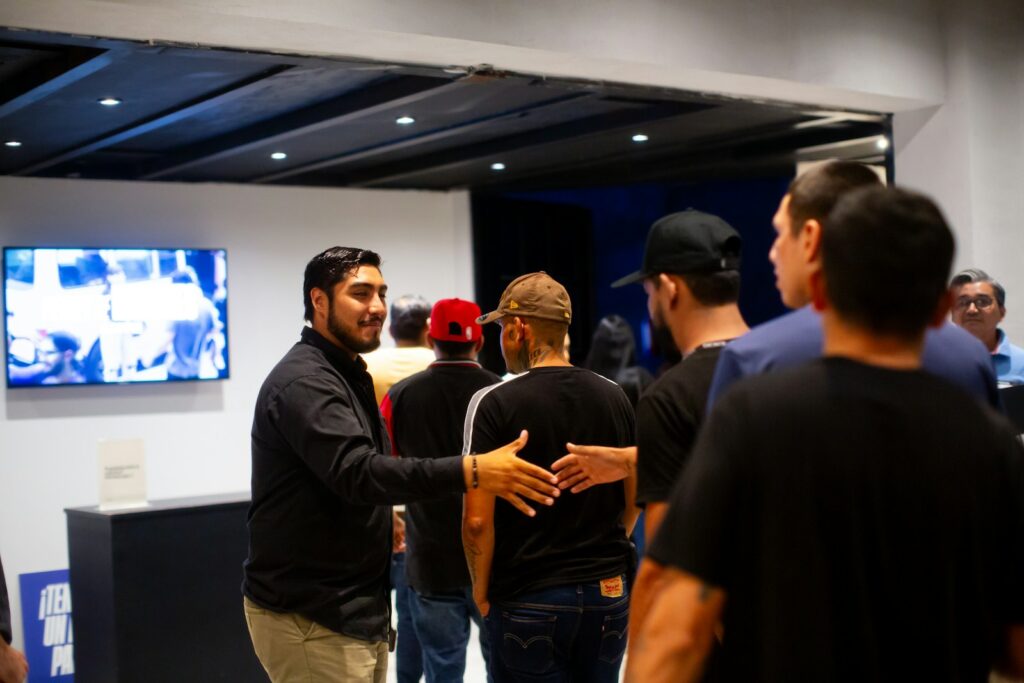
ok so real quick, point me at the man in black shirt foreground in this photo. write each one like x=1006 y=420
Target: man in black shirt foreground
x=552 y=588
x=854 y=519
x=320 y=530
x=425 y=414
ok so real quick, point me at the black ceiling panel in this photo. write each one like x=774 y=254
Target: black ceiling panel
x=214 y=115
x=285 y=92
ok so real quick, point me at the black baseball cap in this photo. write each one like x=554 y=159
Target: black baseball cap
x=688 y=242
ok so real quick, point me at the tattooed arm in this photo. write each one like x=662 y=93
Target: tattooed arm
x=478 y=543
x=672 y=635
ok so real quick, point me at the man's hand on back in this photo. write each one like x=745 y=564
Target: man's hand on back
x=586 y=466
x=502 y=474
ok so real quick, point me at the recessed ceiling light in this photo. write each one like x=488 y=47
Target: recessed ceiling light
x=498 y=166
x=109 y=101
x=640 y=137
x=883 y=143
x=405 y=120
x=13 y=143
x=278 y=156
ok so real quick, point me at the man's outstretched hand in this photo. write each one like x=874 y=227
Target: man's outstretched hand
x=502 y=474
x=586 y=466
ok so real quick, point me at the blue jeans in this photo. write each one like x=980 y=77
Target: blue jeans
x=408 y=658
x=564 y=634
x=442 y=626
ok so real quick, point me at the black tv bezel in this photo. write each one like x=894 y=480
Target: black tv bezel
x=200 y=380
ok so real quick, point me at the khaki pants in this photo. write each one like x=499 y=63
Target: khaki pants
x=294 y=649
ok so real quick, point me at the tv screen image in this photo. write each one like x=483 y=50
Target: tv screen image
x=111 y=316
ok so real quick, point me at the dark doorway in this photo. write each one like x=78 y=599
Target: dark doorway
x=512 y=237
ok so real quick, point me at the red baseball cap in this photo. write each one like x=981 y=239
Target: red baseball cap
x=455 y=320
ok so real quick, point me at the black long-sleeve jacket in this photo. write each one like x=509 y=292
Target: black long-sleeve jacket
x=322 y=487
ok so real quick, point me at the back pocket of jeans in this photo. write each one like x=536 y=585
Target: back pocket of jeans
x=528 y=644
x=614 y=631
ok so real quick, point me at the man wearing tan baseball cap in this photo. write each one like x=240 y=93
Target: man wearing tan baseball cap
x=571 y=561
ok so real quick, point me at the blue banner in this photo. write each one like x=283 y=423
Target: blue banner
x=46 y=620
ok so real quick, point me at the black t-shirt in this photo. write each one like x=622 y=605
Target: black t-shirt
x=426 y=413
x=667 y=420
x=581 y=537
x=865 y=523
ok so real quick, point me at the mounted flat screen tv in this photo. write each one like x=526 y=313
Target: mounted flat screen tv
x=114 y=316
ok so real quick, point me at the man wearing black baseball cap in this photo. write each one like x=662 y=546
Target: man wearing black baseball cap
x=687 y=242
x=691 y=275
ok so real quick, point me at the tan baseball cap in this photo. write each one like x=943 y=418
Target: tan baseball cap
x=534 y=295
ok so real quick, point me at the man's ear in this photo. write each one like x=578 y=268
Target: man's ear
x=478 y=347
x=516 y=328
x=810 y=240
x=942 y=309
x=669 y=286
x=430 y=342
x=524 y=328
x=819 y=293
x=321 y=302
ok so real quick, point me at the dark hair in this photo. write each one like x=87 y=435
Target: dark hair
x=970 y=275
x=613 y=356
x=612 y=348
x=409 y=314
x=453 y=349
x=886 y=255
x=714 y=289
x=330 y=267
x=65 y=341
x=813 y=194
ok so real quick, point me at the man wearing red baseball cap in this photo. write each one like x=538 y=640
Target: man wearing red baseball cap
x=425 y=414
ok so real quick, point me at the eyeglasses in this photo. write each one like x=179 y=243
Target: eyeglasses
x=982 y=302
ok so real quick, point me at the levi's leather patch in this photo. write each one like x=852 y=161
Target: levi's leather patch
x=611 y=588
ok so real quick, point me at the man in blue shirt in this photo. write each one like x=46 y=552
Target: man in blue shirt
x=797 y=337
x=979 y=305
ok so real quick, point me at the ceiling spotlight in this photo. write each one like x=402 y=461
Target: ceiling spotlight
x=405 y=120
x=640 y=137
x=883 y=143
x=497 y=166
x=109 y=101
x=278 y=156
x=13 y=143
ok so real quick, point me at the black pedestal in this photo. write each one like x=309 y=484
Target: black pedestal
x=156 y=592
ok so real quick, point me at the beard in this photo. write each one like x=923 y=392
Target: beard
x=662 y=342
x=349 y=335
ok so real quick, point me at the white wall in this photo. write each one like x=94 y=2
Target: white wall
x=196 y=434
x=969 y=152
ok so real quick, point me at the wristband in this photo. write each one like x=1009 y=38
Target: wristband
x=476 y=475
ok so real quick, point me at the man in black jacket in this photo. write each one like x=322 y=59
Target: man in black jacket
x=320 y=530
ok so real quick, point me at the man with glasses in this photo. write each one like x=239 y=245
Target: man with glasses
x=979 y=305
